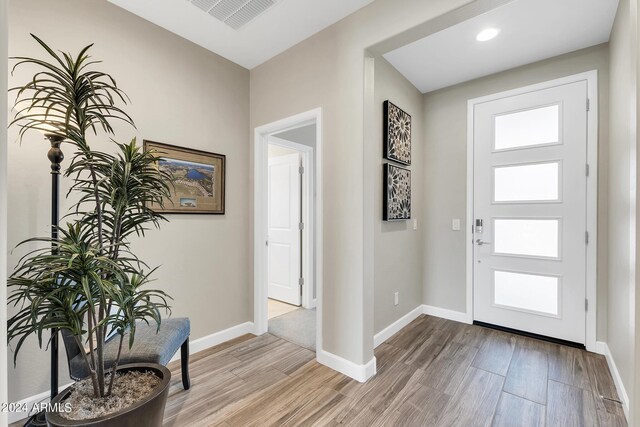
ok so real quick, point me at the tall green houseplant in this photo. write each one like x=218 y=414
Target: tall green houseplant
x=91 y=285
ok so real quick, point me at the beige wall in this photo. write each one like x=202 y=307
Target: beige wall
x=398 y=248
x=622 y=197
x=3 y=209
x=326 y=71
x=181 y=94
x=445 y=117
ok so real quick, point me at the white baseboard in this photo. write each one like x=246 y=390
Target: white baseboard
x=216 y=338
x=603 y=348
x=396 y=326
x=360 y=373
x=29 y=403
x=456 y=316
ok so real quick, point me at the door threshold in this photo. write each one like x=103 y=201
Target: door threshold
x=531 y=335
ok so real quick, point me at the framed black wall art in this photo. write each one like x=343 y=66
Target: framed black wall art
x=396 y=133
x=397 y=193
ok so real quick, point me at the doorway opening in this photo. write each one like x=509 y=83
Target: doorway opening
x=291 y=305
x=287 y=240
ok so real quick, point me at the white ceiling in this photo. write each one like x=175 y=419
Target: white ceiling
x=531 y=30
x=280 y=27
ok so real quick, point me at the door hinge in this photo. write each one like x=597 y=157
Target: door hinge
x=301 y=281
x=586 y=237
x=588 y=104
x=586 y=304
x=587 y=169
x=301 y=226
x=301 y=170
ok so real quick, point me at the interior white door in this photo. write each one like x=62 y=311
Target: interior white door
x=530 y=184
x=284 y=232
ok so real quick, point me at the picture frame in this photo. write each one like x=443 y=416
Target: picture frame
x=198 y=186
x=396 y=133
x=397 y=193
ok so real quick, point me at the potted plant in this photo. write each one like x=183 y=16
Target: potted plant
x=91 y=285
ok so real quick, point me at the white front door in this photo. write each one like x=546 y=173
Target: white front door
x=530 y=186
x=284 y=232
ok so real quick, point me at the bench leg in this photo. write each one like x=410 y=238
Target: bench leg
x=184 y=362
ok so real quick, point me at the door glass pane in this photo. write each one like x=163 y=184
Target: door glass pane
x=537 y=182
x=524 y=128
x=526 y=291
x=532 y=237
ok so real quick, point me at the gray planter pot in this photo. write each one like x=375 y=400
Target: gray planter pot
x=148 y=412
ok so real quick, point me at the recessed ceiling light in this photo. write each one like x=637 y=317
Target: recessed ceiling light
x=487 y=34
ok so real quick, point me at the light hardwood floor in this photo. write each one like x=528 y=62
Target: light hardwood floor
x=433 y=373
x=278 y=308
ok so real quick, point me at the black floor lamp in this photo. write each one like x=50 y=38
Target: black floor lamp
x=55 y=156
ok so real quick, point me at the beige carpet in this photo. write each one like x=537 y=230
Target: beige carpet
x=298 y=327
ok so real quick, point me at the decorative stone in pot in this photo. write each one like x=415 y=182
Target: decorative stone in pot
x=148 y=412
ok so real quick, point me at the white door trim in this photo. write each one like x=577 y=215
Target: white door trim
x=260 y=220
x=591 y=77
x=306 y=154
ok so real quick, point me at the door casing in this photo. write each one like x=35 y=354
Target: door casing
x=591 y=77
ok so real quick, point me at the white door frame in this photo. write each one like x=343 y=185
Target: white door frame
x=260 y=217
x=306 y=154
x=591 y=77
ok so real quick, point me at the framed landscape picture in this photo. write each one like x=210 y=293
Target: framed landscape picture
x=396 y=133
x=397 y=193
x=198 y=179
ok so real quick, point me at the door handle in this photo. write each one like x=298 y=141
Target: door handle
x=481 y=242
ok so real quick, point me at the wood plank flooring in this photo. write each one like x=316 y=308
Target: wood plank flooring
x=432 y=373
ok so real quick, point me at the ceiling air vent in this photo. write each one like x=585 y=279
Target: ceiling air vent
x=234 y=13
